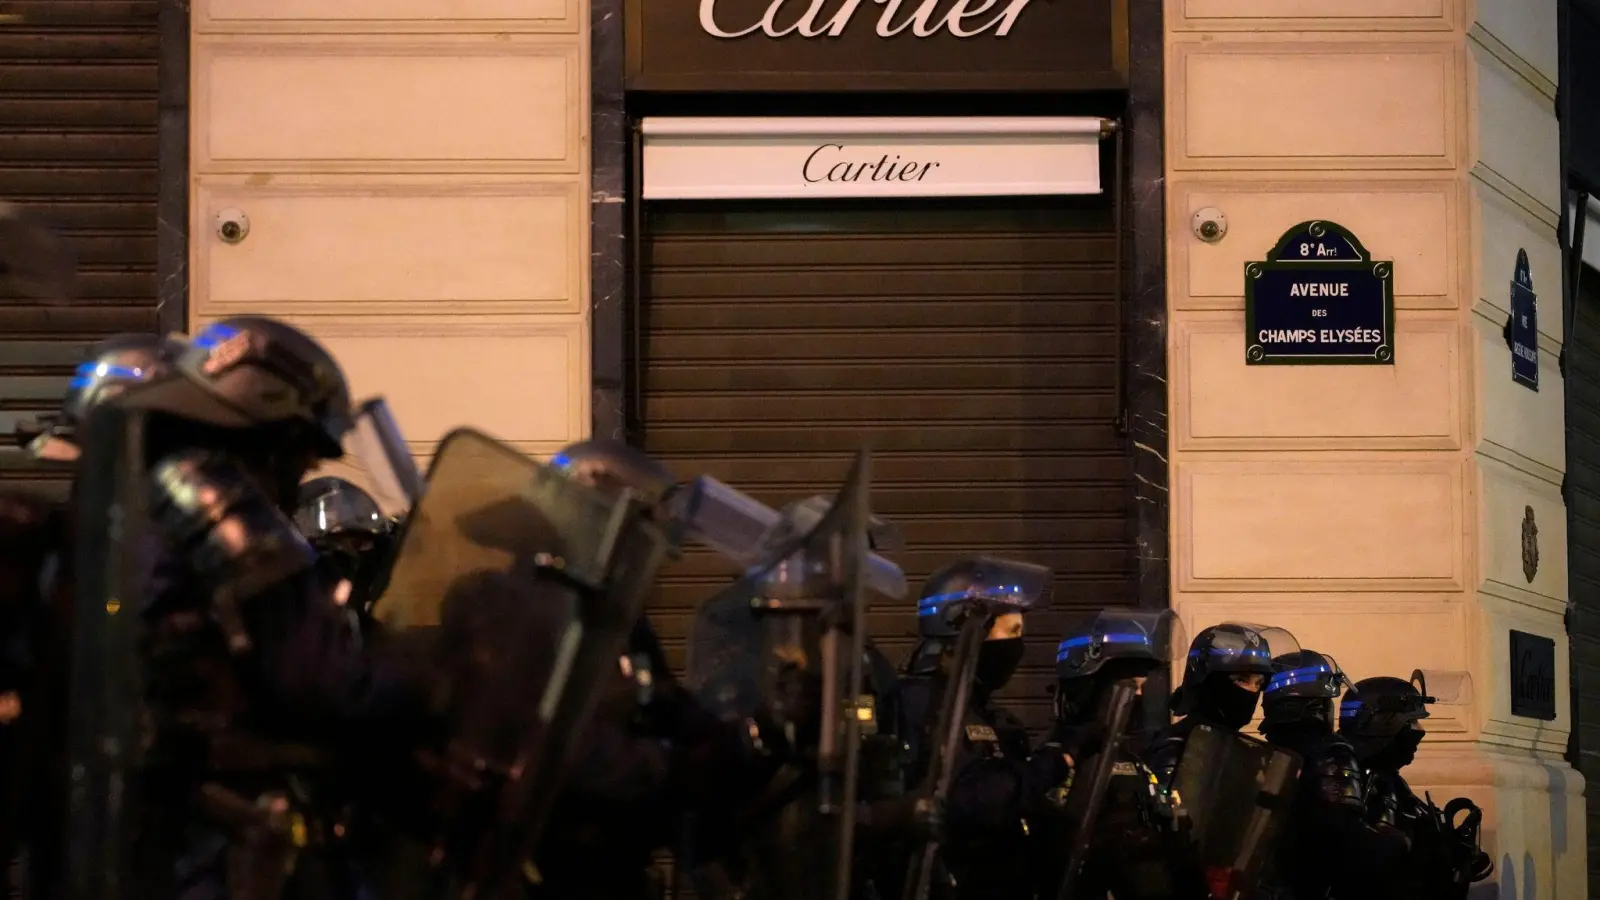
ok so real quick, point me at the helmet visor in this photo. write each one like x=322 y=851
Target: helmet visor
x=376 y=447
x=1157 y=635
x=1445 y=687
x=337 y=508
x=1308 y=677
x=1381 y=713
x=1278 y=641
x=1004 y=585
x=1239 y=648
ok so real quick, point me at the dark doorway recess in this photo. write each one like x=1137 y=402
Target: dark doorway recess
x=1583 y=547
x=973 y=344
x=78 y=146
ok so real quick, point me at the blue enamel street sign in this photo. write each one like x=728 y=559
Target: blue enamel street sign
x=1524 y=326
x=1319 y=299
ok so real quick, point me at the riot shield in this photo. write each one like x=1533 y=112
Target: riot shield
x=514 y=589
x=764 y=649
x=1234 y=792
x=103 y=696
x=1100 y=768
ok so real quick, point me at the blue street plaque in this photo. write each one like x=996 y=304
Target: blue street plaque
x=1524 y=326
x=1319 y=299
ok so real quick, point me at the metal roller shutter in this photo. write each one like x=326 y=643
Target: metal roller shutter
x=1583 y=548
x=78 y=116
x=971 y=344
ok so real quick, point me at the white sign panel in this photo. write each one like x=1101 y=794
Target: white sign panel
x=797 y=158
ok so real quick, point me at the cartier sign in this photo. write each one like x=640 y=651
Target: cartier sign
x=804 y=158
x=876 y=45
x=924 y=18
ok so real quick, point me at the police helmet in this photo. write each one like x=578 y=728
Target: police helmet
x=1153 y=636
x=1232 y=648
x=113 y=366
x=1377 y=709
x=251 y=371
x=612 y=466
x=994 y=586
x=1303 y=685
x=332 y=508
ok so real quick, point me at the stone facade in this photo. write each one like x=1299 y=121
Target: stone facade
x=1377 y=512
x=443 y=162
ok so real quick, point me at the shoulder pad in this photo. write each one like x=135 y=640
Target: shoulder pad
x=227 y=530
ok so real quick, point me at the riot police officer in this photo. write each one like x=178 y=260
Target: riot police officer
x=1128 y=844
x=654 y=755
x=1230 y=790
x=1227 y=667
x=1381 y=718
x=352 y=537
x=1326 y=847
x=997 y=786
x=35 y=576
x=113 y=365
x=252 y=674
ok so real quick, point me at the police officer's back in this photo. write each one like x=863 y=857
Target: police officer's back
x=998 y=786
x=1382 y=720
x=1326 y=846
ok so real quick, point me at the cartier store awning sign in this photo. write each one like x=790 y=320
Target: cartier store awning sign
x=876 y=45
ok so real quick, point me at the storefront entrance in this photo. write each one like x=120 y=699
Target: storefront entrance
x=972 y=343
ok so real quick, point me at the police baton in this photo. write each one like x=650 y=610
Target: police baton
x=941 y=767
x=1122 y=697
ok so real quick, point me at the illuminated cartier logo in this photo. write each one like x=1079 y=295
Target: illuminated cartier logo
x=962 y=18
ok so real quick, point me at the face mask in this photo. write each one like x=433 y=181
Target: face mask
x=1230 y=705
x=1400 y=752
x=997 y=660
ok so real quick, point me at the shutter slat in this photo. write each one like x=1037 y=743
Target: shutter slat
x=972 y=344
x=78 y=120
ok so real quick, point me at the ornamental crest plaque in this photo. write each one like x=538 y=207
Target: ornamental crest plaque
x=1530 y=545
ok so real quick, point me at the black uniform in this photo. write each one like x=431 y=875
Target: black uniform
x=998 y=789
x=657 y=765
x=35 y=602
x=253 y=675
x=1210 y=693
x=1441 y=858
x=999 y=794
x=1130 y=848
x=651 y=756
x=1327 y=848
x=33 y=543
